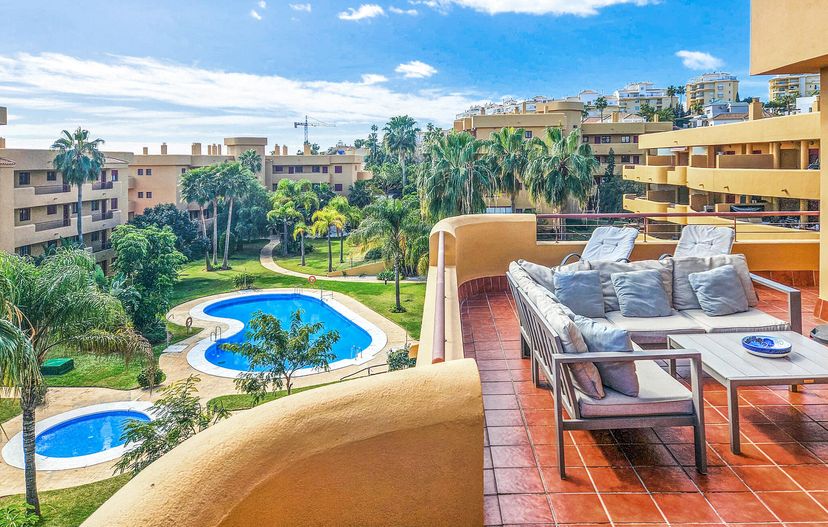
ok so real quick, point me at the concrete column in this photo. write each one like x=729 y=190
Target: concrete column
x=822 y=306
x=711 y=156
x=776 y=151
x=803 y=206
x=803 y=155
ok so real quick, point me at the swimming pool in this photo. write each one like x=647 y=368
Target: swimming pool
x=81 y=437
x=359 y=340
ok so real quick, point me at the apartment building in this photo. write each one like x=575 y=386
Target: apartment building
x=38 y=209
x=634 y=96
x=619 y=134
x=796 y=85
x=711 y=87
x=761 y=164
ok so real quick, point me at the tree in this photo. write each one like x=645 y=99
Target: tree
x=250 y=215
x=601 y=105
x=147 y=260
x=235 y=181
x=301 y=230
x=671 y=92
x=324 y=193
x=292 y=197
x=401 y=140
x=509 y=153
x=459 y=178
x=376 y=155
x=187 y=239
x=323 y=221
x=360 y=194
x=281 y=352
x=179 y=415
x=196 y=188
x=562 y=167
x=387 y=179
x=80 y=161
x=680 y=91
x=251 y=160
x=284 y=212
x=54 y=306
x=647 y=112
x=352 y=217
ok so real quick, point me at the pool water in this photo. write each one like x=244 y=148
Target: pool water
x=352 y=338
x=87 y=434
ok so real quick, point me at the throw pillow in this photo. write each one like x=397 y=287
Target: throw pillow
x=618 y=375
x=716 y=293
x=641 y=294
x=580 y=291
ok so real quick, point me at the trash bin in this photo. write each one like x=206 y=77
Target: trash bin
x=820 y=334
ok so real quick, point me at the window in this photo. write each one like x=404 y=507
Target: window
x=149 y=195
x=300 y=170
x=606 y=139
x=25 y=214
x=278 y=168
x=316 y=169
x=324 y=170
x=140 y=194
x=140 y=171
x=183 y=170
x=24 y=250
x=96 y=205
x=528 y=134
x=24 y=178
x=114 y=175
x=51 y=175
x=635 y=139
x=51 y=209
x=625 y=159
x=149 y=171
x=113 y=204
x=96 y=236
x=597 y=139
x=338 y=187
x=291 y=170
x=625 y=139
x=338 y=169
x=275 y=186
x=636 y=160
x=75 y=207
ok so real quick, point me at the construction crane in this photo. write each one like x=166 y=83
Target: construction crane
x=310 y=121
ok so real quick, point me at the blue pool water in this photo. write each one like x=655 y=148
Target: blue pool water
x=352 y=338
x=87 y=434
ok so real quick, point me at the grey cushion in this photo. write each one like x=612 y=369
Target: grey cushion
x=545 y=275
x=584 y=374
x=610 y=244
x=619 y=376
x=749 y=321
x=659 y=394
x=580 y=291
x=705 y=240
x=606 y=269
x=641 y=294
x=718 y=292
x=655 y=330
x=683 y=296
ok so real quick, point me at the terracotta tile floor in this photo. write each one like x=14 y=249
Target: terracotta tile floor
x=643 y=477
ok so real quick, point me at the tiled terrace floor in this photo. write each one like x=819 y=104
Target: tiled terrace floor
x=643 y=477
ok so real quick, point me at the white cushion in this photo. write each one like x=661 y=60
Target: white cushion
x=655 y=330
x=704 y=240
x=610 y=244
x=658 y=394
x=751 y=320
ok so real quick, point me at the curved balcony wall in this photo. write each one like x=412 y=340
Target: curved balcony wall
x=647 y=174
x=797 y=184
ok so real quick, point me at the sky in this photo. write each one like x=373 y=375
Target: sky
x=142 y=72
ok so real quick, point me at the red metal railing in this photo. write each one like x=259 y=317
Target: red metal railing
x=438 y=351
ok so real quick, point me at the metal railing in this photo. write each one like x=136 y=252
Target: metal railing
x=102 y=185
x=49 y=225
x=100 y=216
x=51 y=189
x=368 y=370
x=668 y=225
x=215 y=334
x=438 y=352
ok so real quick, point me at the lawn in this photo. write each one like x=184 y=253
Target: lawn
x=197 y=283
x=316 y=262
x=108 y=371
x=9 y=408
x=243 y=401
x=70 y=507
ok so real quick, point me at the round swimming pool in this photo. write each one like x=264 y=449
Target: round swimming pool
x=359 y=340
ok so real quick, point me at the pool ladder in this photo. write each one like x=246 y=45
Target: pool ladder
x=215 y=335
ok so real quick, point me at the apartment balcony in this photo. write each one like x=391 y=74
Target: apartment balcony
x=59 y=194
x=639 y=205
x=101 y=216
x=51 y=225
x=776 y=183
x=677 y=176
x=617 y=148
x=34 y=233
x=647 y=174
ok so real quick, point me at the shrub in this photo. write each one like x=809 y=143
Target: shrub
x=156 y=333
x=386 y=275
x=398 y=359
x=17 y=515
x=143 y=378
x=243 y=281
x=373 y=254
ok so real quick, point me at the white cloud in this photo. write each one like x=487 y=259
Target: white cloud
x=255 y=15
x=301 y=7
x=262 y=4
x=699 y=60
x=533 y=7
x=373 y=78
x=362 y=12
x=138 y=99
x=398 y=11
x=416 y=70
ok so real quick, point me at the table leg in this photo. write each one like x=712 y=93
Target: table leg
x=794 y=388
x=672 y=361
x=733 y=414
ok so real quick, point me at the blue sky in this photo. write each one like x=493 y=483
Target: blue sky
x=140 y=72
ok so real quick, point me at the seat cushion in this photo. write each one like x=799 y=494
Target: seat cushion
x=607 y=269
x=751 y=320
x=655 y=330
x=705 y=240
x=658 y=394
x=683 y=295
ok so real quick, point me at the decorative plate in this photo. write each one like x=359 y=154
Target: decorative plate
x=766 y=346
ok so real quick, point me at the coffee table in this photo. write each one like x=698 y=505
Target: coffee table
x=726 y=360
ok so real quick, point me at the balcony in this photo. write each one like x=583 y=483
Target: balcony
x=647 y=174
x=639 y=205
x=102 y=185
x=51 y=189
x=101 y=216
x=50 y=225
x=677 y=176
x=777 y=183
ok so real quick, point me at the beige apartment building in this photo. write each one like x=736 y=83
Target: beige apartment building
x=615 y=134
x=711 y=87
x=796 y=85
x=634 y=96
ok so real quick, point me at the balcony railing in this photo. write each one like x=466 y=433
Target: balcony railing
x=438 y=350
x=102 y=185
x=100 y=216
x=49 y=225
x=51 y=189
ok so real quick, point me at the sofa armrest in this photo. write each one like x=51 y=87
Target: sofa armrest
x=794 y=299
x=623 y=356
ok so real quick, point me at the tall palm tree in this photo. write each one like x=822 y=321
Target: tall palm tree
x=680 y=91
x=300 y=230
x=671 y=92
x=54 y=306
x=251 y=160
x=509 y=152
x=561 y=167
x=401 y=139
x=300 y=197
x=284 y=212
x=352 y=217
x=323 y=221
x=80 y=161
x=235 y=181
x=459 y=178
x=601 y=105
x=195 y=188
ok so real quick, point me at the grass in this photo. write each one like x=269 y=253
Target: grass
x=70 y=507
x=108 y=371
x=316 y=262
x=197 y=283
x=243 y=401
x=9 y=408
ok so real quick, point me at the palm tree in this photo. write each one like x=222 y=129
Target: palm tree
x=301 y=230
x=80 y=161
x=251 y=160
x=401 y=139
x=352 y=218
x=601 y=105
x=195 y=188
x=300 y=197
x=323 y=221
x=54 y=306
x=562 y=167
x=459 y=177
x=509 y=152
x=235 y=181
x=680 y=91
x=671 y=92
x=286 y=213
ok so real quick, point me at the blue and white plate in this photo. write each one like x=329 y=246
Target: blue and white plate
x=766 y=346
